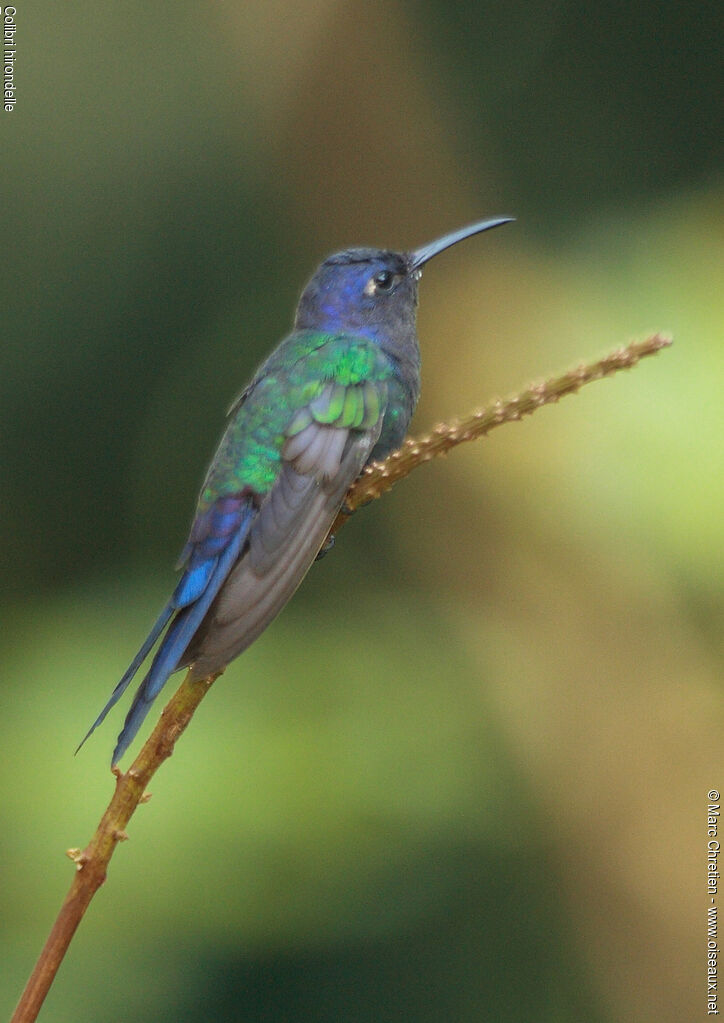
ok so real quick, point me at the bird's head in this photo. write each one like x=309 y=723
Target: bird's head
x=372 y=291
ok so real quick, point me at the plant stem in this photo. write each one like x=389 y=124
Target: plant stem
x=91 y=862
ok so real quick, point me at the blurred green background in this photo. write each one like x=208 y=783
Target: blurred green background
x=464 y=776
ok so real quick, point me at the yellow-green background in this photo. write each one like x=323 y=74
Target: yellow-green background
x=464 y=777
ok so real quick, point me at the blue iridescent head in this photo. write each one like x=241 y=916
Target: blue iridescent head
x=373 y=291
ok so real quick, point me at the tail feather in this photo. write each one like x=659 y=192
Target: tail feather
x=159 y=625
x=207 y=568
x=174 y=644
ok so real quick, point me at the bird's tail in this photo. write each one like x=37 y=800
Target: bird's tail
x=185 y=611
x=159 y=626
x=169 y=656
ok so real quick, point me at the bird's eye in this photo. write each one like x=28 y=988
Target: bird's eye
x=381 y=283
x=384 y=280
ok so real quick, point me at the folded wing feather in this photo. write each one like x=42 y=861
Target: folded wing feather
x=319 y=465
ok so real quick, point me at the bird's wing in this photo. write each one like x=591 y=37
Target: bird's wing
x=325 y=448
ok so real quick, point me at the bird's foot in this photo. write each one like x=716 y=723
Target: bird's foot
x=326 y=547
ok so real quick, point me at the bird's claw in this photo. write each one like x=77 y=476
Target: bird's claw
x=326 y=547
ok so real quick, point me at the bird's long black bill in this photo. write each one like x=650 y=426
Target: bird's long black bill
x=421 y=256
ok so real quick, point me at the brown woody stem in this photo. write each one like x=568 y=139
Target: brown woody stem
x=91 y=862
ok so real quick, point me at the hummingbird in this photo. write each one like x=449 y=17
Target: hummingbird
x=336 y=394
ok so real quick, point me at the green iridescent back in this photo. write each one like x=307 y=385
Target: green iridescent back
x=290 y=390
